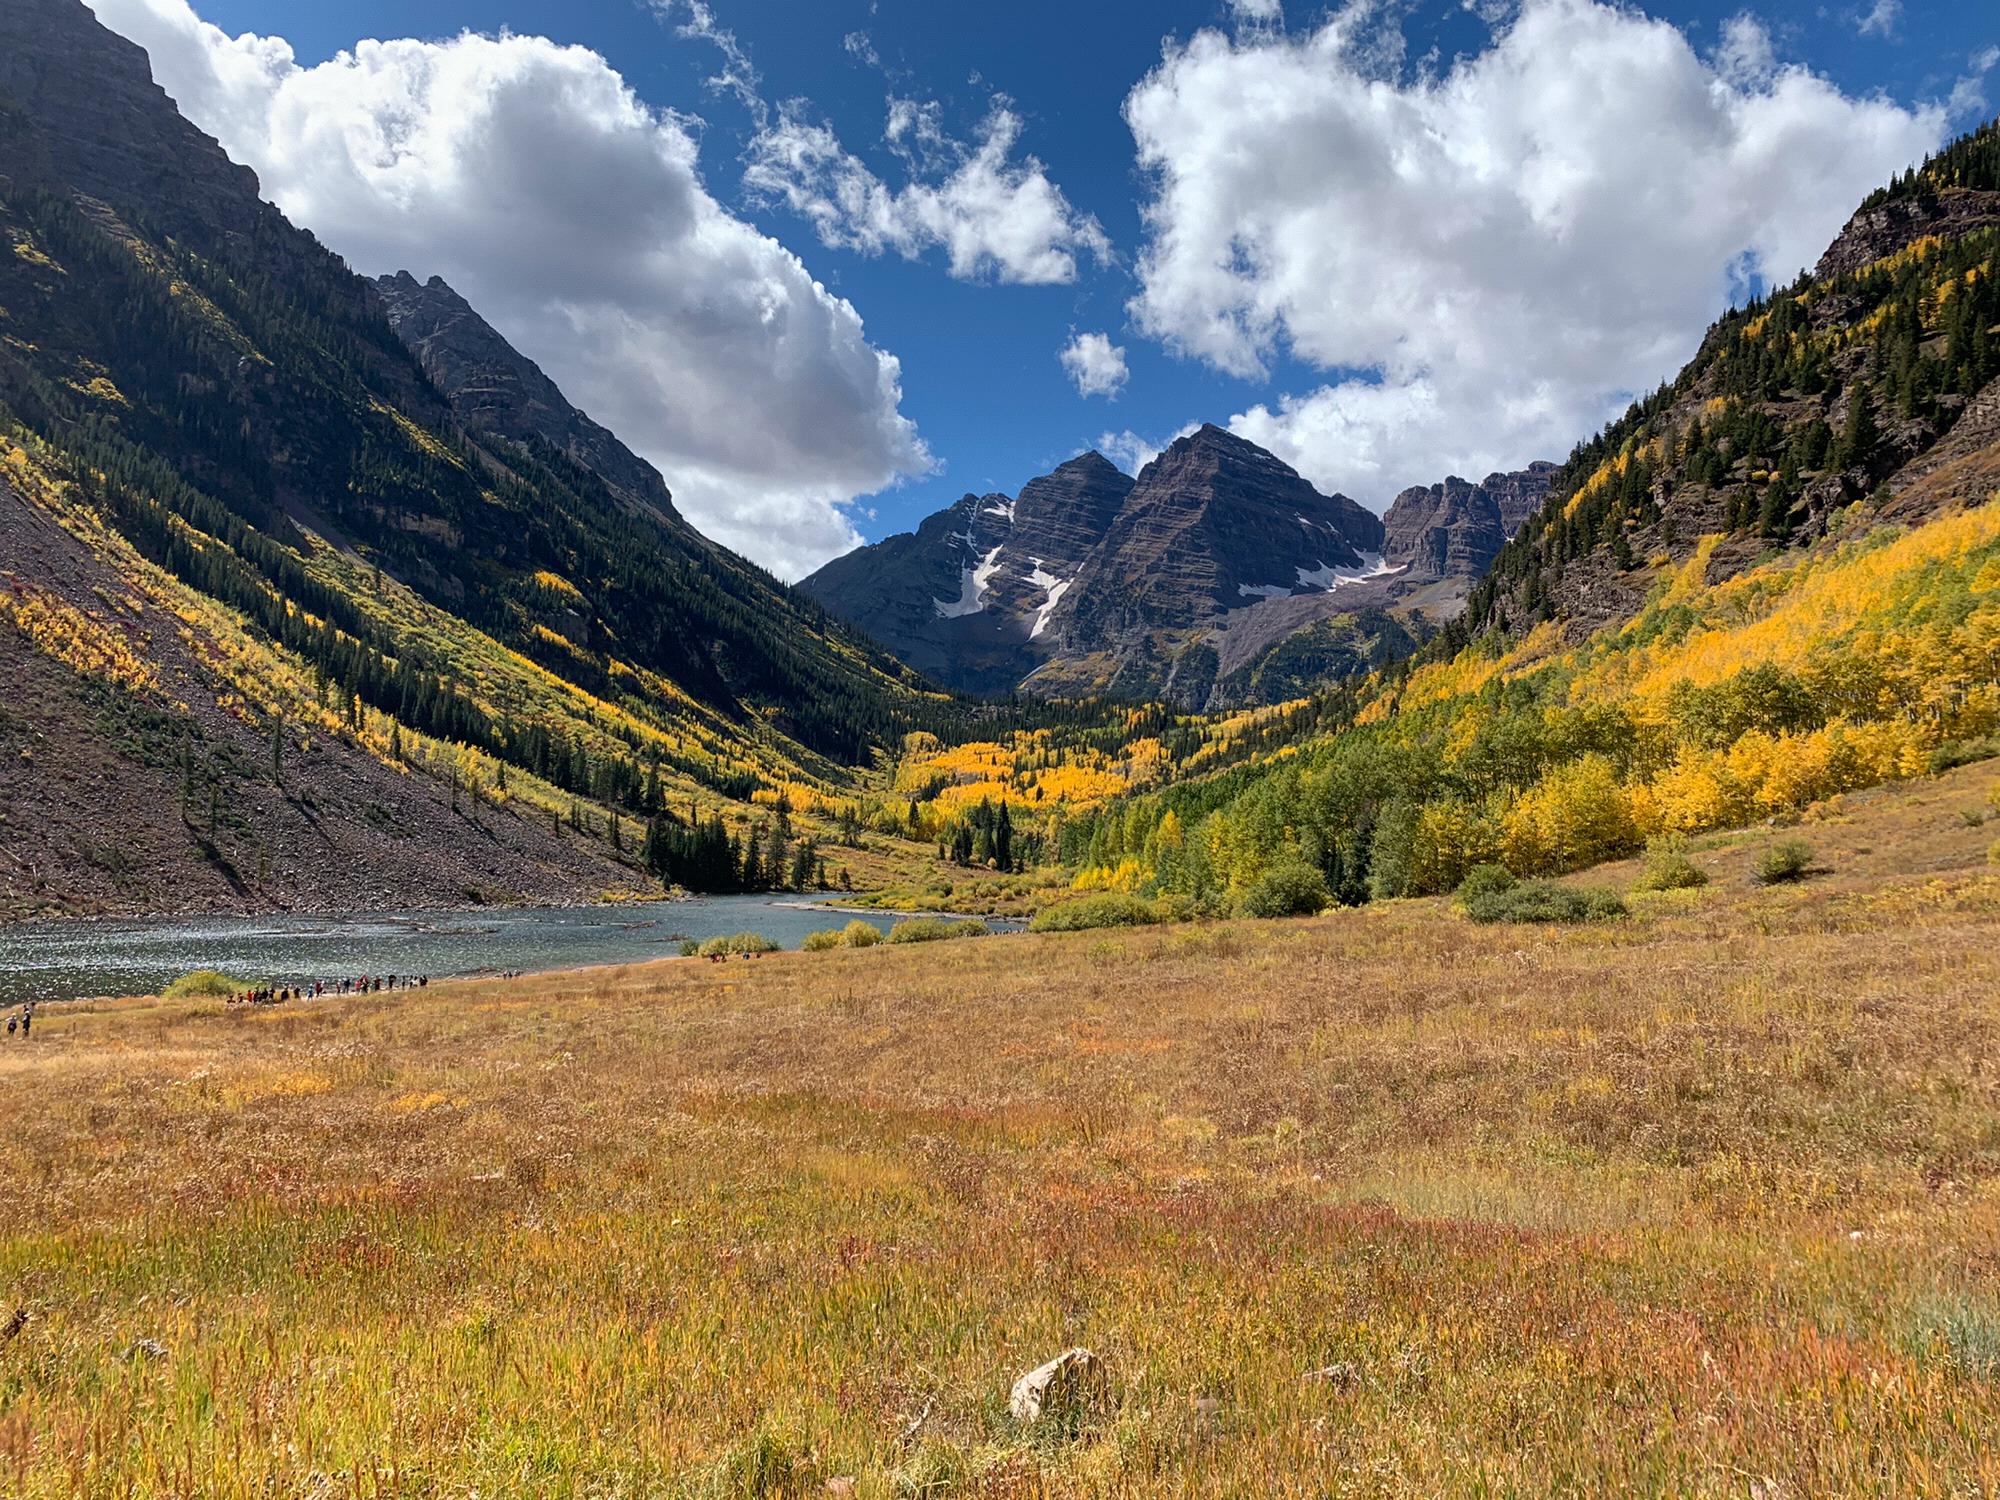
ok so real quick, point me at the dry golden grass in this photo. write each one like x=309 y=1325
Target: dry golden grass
x=1700 y=1203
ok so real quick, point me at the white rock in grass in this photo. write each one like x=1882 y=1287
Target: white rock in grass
x=1061 y=1386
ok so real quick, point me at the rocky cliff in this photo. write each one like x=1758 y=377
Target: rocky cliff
x=1454 y=530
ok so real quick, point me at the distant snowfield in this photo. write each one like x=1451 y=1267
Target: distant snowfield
x=971 y=588
x=1324 y=579
x=1053 y=588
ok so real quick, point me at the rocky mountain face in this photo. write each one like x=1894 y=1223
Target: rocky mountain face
x=1211 y=522
x=119 y=134
x=500 y=393
x=1213 y=527
x=968 y=597
x=1880 y=229
x=1451 y=532
x=1181 y=582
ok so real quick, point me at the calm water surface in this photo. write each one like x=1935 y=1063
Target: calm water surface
x=70 y=960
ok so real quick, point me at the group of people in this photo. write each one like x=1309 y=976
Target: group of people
x=24 y=1019
x=367 y=984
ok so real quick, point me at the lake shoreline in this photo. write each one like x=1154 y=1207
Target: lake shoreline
x=63 y=959
x=12 y=925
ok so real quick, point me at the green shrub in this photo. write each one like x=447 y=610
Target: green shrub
x=737 y=942
x=1173 y=906
x=936 y=930
x=1107 y=909
x=1545 y=901
x=1668 y=867
x=1294 y=889
x=1789 y=859
x=690 y=947
x=1972 y=817
x=203 y=984
x=1485 y=880
x=1950 y=757
x=860 y=934
x=820 y=942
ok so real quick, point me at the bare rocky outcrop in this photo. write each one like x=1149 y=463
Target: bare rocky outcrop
x=1963 y=469
x=1212 y=521
x=122 y=138
x=1884 y=228
x=966 y=598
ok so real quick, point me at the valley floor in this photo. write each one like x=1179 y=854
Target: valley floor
x=1705 y=1202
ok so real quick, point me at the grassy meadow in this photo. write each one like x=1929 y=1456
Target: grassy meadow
x=1700 y=1202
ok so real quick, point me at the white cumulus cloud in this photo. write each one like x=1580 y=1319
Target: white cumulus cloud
x=1096 y=364
x=1485 y=262
x=993 y=215
x=575 y=218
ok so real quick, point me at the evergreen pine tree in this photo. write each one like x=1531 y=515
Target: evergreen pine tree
x=1775 y=518
x=1859 y=435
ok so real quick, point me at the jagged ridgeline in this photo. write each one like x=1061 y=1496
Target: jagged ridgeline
x=228 y=428
x=1774 y=580
x=1218 y=578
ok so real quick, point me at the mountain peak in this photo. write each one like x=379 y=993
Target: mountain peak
x=1209 y=437
x=1088 y=462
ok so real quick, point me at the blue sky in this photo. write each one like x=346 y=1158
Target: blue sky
x=979 y=370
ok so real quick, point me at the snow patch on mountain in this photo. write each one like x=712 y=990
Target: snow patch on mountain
x=1053 y=588
x=1326 y=579
x=971 y=589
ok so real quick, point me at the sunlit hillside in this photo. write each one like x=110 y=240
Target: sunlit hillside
x=1716 y=706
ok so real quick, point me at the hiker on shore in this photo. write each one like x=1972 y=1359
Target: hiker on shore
x=27 y=1019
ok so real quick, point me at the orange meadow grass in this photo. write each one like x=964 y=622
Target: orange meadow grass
x=1699 y=1203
